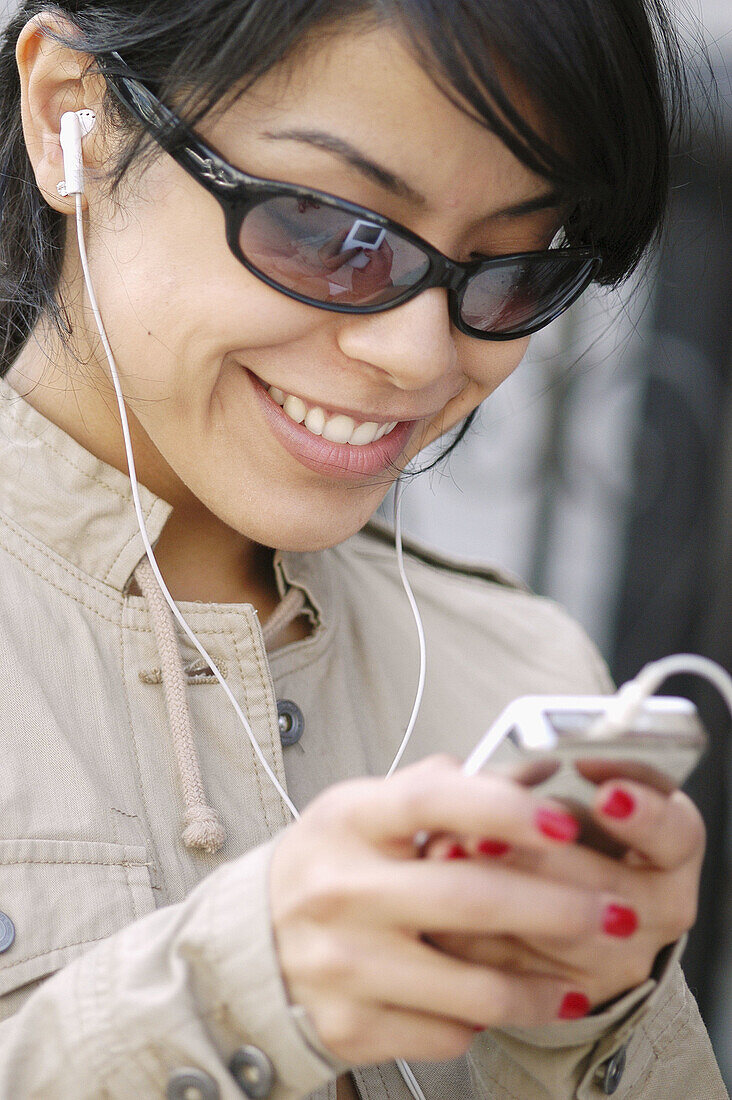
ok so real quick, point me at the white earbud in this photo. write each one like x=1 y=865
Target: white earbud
x=75 y=125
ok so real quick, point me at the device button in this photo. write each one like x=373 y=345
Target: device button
x=291 y=722
x=611 y=1072
x=191 y=1084
x=7 y=932
x=253 y=1072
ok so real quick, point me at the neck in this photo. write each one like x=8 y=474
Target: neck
x=200 y=557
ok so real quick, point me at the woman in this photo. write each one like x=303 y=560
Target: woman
x=278 y=375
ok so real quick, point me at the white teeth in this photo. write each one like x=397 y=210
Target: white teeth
x=296 y=409
x=338 y=428
x=364 y=434
x=315 y=421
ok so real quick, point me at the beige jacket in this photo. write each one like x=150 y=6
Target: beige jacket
x=141 y=968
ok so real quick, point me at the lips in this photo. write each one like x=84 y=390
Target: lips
x=324 y=456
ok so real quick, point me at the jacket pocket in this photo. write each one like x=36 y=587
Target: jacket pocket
x=62 y=896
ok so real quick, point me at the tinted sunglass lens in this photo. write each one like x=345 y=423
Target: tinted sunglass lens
x=326 y=254
x=514 y=296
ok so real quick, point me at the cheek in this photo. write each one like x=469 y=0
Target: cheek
x=487 y=363
x=175 y=299
x=484 y=365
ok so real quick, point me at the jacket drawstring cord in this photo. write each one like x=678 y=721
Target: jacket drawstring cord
x=203 y=828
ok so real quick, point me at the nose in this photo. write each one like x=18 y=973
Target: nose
x=413 y=343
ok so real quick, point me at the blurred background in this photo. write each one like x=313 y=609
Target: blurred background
x=601 y=472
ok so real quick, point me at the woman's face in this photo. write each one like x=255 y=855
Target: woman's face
x=198 y=339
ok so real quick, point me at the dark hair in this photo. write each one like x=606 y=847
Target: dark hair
x=605 y=73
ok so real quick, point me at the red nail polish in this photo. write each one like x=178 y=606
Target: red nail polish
x=618 y=920
x=456 y=851
x=493 y=848
x=556 y=824
x=574 y=1007
x=618 y=804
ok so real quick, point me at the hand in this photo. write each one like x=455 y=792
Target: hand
x=352 y=899
x=658 y=877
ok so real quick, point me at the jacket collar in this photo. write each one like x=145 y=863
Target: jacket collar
x=68 y=499
x=82 y=509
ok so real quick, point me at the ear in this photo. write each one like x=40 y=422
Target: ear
x=53 y=80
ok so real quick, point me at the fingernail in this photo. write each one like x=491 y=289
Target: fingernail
x=493 y=848
x=574 y=1007
x=618 y=804
x=618 y=920
x=556 y=824
x=456 y=851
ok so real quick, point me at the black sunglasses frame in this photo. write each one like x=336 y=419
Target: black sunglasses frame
x=238 y=193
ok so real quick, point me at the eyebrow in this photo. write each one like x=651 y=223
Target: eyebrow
x=347 y=152
x=392 y=182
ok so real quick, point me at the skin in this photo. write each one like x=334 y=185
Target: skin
x=515 y=935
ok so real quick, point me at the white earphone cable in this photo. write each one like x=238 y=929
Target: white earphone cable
x=403 y=1067
x=626 y=704
x=399 y=488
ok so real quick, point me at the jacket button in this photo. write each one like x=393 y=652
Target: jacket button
x=611 y=1072
x=291 y=722
x=7 y=932
x=191 y=1084
x=254 y=1073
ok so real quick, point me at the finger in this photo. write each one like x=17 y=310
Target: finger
x=445 y=847
x=603 y=970
x=666 y=830
x=664 y=901
x=455 y=896
x=458 y=847
x=436 y=797
x=511 y=954
x=415 y=976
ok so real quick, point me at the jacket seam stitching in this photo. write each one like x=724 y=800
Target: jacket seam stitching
x=112 y=595
x=267 y=682
x=8 y=409
x=255 y=758
x=123 y=863
x=486 y=1075
x=60 y=947
x=41 y=548
x=133 y=893
x=656 y=1051
x=458 y=575
x=135 y=750
x=115 y=809
x=363 y=1082
x=60 y=588
x=383 y=1080
x=673 y=1027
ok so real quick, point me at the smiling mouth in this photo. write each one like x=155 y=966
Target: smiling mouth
x=336 y=427
x=331 y=443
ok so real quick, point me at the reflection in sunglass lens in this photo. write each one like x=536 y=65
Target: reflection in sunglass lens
x=326 y=254
x=516 y=295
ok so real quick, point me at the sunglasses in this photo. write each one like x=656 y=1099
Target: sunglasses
x=339 y=256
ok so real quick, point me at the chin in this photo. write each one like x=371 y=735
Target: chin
x=302 y=534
